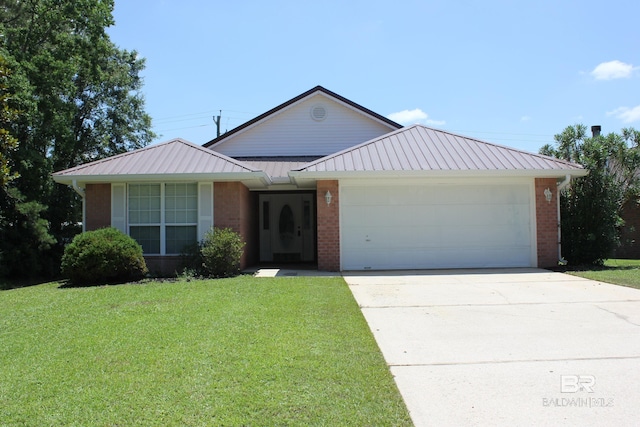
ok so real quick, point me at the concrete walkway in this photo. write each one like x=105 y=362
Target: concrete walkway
x=507 y=347
x=289 y=272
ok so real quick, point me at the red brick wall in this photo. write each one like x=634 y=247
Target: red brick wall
x=630 y=232
x=547 y=223
x=233 y=205
x=328 y=226
x=163 y=265
x=97 y=199
x=232 y=208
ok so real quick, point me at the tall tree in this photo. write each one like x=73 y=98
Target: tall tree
x=591 y=206
x=8 y=143
x=78 y=97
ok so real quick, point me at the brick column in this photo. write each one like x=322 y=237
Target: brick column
x=328 y=226
x=630 y=233
x=547 y=222
x=97 y=201
x=232 y=208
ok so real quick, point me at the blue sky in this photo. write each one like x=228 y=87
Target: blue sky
x=510 y=72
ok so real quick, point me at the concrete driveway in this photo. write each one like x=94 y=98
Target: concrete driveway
x=508 y=346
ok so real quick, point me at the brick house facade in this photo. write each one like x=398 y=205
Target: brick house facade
x=268 y=180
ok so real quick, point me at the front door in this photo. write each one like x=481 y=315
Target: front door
x=286 y=227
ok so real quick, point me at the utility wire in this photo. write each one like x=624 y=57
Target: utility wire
x=499 y=136
x=196 y=115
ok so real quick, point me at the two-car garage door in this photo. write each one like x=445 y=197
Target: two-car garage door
x=408 y=225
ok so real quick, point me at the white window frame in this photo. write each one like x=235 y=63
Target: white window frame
x=120 y=210
x=164 y=224
x=154 y=224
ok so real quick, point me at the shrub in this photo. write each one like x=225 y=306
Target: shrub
x=103 y=256
x=590 y=206
x=191 y=262
x=221 y=251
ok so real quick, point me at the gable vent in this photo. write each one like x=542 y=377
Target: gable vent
x=318 y=113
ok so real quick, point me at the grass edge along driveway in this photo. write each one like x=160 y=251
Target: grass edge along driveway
x=241 y=351
x=624 y=272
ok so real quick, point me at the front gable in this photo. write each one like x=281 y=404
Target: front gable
x=316 y=123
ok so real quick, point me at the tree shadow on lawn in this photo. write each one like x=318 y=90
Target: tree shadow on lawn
x=10 y=284
x=66 y=284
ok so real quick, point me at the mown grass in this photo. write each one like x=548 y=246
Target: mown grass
x=624 y=272
x=242 y=351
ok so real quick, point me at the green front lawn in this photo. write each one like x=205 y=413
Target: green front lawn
x=624 y=272
x=242 y=351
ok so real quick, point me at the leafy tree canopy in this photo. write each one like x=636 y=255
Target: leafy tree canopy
x=77 y=98
x=8 y=143
x=590 y=207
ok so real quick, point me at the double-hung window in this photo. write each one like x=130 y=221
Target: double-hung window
x=181 y=216
x=163 y=218
x=145 y=216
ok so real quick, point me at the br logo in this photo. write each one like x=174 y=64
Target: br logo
x=576 y=383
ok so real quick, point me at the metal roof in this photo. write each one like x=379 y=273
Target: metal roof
x=420 y=148
x=175 y=157
x=277 y=167
x=416 y=149
x=299 y=98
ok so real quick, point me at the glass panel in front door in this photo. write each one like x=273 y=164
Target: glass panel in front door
x=286 y=227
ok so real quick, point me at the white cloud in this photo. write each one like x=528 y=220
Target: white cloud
x=525 y=118
x=416 y=116
x=626 y=114
x=408 y=116
x=613 y=70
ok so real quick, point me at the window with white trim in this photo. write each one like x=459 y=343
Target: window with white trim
x=163 y=218
x=181 y=216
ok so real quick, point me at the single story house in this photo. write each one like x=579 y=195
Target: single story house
x=321 y=179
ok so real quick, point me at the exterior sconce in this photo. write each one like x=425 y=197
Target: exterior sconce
x=548 y=195
x=328 y=197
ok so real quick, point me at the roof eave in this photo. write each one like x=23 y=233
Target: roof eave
x=555 y=173
x=218 y=177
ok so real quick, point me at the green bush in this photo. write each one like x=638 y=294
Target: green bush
x=590 y=206
x=191 y=262
x=221 y=251
x=103 y=256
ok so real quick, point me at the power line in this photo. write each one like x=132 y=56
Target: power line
x=499 y=136
x=182 y=128
x=195 y=115
x=502 y=133
x=226 y=120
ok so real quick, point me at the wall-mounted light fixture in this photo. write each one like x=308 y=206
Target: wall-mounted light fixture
x=328 y=197
x=548 y=195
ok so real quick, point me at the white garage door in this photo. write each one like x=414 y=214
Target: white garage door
x=436 y=226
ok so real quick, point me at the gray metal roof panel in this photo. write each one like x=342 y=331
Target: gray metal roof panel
x=419 y=148
x=277 y=167
x=172 y=157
